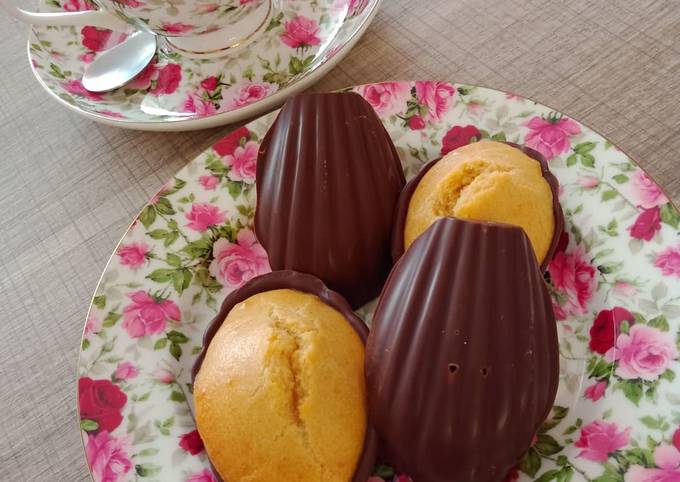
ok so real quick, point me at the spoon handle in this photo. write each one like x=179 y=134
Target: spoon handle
x=94 y=18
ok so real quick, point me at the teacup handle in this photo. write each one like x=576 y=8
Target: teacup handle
x=94 y=18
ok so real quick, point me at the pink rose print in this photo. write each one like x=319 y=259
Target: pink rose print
x=177 y=28
x=459 y=136
x=386 y=98
x=666 y=458
x=76 y=5
x=191 y=442
x=209 y=183
x=551 y=136
x=93 y=325
x=475 y=108
x=356 y=7
x=87 y=57
x=247 y=92
x=133 y=255
x=416 y=123
x=588 y=182
x=596 y=391
x=198 y=105
x=647 y=224
x=669 y=261
x=210 y=83
x=243 y=162
x=75 y=87
x=130 y=3
x=605 y=328
x=107 y=457
x=143 y=80
x=562 y=243
x=102 y=402
x=236 y=263
x=204 y=215
x=146 y=315
x=164 y=376
x=168 y=79
x=207 y=7
x=227 y=145
x=438 y=97
x=560 y=314
x=676 y=438
x=644 y=352
x=204 y=475
x=301 y=32
x=648 y=192
x=599 y=439
x=95 y=39
x=125 y=371
x=110 y=113
x=624 y=289
x=573 y=278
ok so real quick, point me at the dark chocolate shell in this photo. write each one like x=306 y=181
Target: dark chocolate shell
x=328 y=179
x=462 y=358
x=307 y=284
x=405 y=199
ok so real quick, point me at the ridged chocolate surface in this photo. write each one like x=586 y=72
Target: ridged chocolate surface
x=407 y=193
x=328 y=179
x=307 y=284
x=462 y=358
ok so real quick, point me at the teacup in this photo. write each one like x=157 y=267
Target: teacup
x=196 y=27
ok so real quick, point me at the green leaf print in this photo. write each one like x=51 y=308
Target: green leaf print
x=88 y=425
x=147 y=216
x=176 y=351
x=548 y=476
x=530 y=463
x=655 y=423
x=177 y=337
x=670 y=215
x=99 y=301
x=609 y=195
x=660 y=322
x=295 y=66
x=632 y=389
x=147 y=470
x=161 y=275
x=547 y=445
x=111 y=319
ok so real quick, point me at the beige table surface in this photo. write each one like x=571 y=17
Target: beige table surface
x=69 y=187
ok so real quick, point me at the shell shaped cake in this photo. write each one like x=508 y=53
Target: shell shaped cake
x=498 y=181
x=462 y=359
x=328 y=179
x=279 y=389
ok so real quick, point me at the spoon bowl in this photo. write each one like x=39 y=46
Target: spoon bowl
x=120 y=64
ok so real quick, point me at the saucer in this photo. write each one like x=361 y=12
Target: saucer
x=301 y=43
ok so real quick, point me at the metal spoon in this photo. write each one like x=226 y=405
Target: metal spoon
x=120 y=64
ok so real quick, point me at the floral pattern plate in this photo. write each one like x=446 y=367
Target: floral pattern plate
x=615 y=282
x=301 y=43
